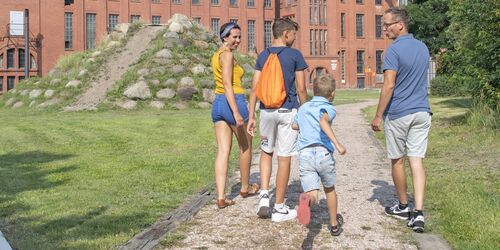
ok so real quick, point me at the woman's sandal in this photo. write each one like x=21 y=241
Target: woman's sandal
x=222 y=203
x=253 y=189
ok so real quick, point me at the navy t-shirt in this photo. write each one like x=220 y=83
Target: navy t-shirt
x=291 y=60
x=409 y=57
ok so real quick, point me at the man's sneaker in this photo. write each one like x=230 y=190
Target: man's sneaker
x=395 y=211
x=263 y=209
x=283 y=214
x=304 y=210
x=337 y=230
x=417 y=223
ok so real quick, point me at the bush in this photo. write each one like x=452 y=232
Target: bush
x=444 y=85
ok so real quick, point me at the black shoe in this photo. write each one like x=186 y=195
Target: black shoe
x=417 y=223
x=395 y=211
x=337 y=230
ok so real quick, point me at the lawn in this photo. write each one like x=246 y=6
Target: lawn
x=94 y=180
x=344 y=96
x=462 y=196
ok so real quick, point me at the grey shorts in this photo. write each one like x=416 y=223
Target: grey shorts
x=276 y=133
x=316 y=166
x=407 y=135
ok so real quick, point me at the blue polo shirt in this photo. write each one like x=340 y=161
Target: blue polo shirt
x=308 y=118
x=291 y=60
x=409 y=57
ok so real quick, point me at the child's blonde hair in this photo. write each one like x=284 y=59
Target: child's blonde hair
x=324 y=85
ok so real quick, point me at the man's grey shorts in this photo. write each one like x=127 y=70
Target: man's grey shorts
x=407 y=135
x=276 y=133
x=316 y=166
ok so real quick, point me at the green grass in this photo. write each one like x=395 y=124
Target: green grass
x=351 y=96
x=462 y=195
x=92 y=180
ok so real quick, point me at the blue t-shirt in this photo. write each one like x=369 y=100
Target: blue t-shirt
x=291 y=60
x=308 y=118
x=409 y=57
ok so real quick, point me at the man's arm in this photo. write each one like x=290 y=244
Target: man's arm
x=301 y=86
x=252 y=101
x=385 y=97
x=327 y=129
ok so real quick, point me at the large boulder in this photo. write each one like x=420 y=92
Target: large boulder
x=208 y=95
x=166 y=93
x=170 y=82
x=73 y=83
x=207 y=83
x=139 y=90
x=49 y=93
x=128 y=105
x=18 y=104
x=186 y=82
x=170 y=35
x=35 y=93
x=157 y=104
x=199 y=69
x=186 y=93
x=49 y=103
x=201 y=44
x=164 y=53
x=177 y=69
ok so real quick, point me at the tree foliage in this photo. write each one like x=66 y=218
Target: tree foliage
x=469 y=32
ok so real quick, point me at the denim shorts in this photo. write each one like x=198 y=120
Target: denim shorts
x=316 y=166
x=222 y=112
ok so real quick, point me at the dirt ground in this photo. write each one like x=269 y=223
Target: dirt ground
x=364 y=187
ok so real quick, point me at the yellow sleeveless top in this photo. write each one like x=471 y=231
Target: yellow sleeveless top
x=217 y=70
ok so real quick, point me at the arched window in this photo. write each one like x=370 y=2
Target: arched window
x=32 y=62
x=10 y=58
x=21 y=60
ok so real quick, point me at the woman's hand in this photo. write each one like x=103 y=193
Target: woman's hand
x=239 y=119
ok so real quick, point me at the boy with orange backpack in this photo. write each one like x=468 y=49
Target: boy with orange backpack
x=279 y=101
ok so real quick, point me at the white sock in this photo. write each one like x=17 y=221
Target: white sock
x=263 y=192
x=279 y=206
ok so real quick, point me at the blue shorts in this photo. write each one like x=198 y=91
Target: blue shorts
x=316 y=166
x=222 y=112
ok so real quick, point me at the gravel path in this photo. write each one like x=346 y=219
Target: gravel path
x=363 y=187
x=116 y=66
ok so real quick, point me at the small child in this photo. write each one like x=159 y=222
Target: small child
x=316 y=162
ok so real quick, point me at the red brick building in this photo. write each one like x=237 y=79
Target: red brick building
x=340 y=37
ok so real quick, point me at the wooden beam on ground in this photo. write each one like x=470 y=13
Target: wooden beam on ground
x=150 y=237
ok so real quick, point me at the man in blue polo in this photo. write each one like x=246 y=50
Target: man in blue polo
x=404 y=105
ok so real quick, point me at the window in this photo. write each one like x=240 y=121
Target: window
x=233 y=3
x=156 y=1
x=214 y=25
x=251 y=35
x=342 y=65
x=155 y=20
x=176 y=1
x=1 y=61
x=16 y=23
x=317 y=45
x=267 y=34
x=378 y=26
x=359 y=1
x=135 y=18
x=10 y=82
x=360 y=25
x=378 y=2
x=214 y=2
x=402 y=2
x=32 y=62
x=360 y=61
x=10 y=58
x=1 y=83
x=68 y=30
x=197 y=19
x=90 y=30
x=195 y=2
x=342 y=24
x=378 y=59
x=20 y=58
x=250 y=3
x=267 y=4
x=113 y=21
x=317 y=12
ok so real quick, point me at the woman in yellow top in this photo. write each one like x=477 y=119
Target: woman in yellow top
x=230 y=115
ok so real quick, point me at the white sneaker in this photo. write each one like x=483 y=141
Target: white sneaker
x=263 y=209
x=283 y=214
